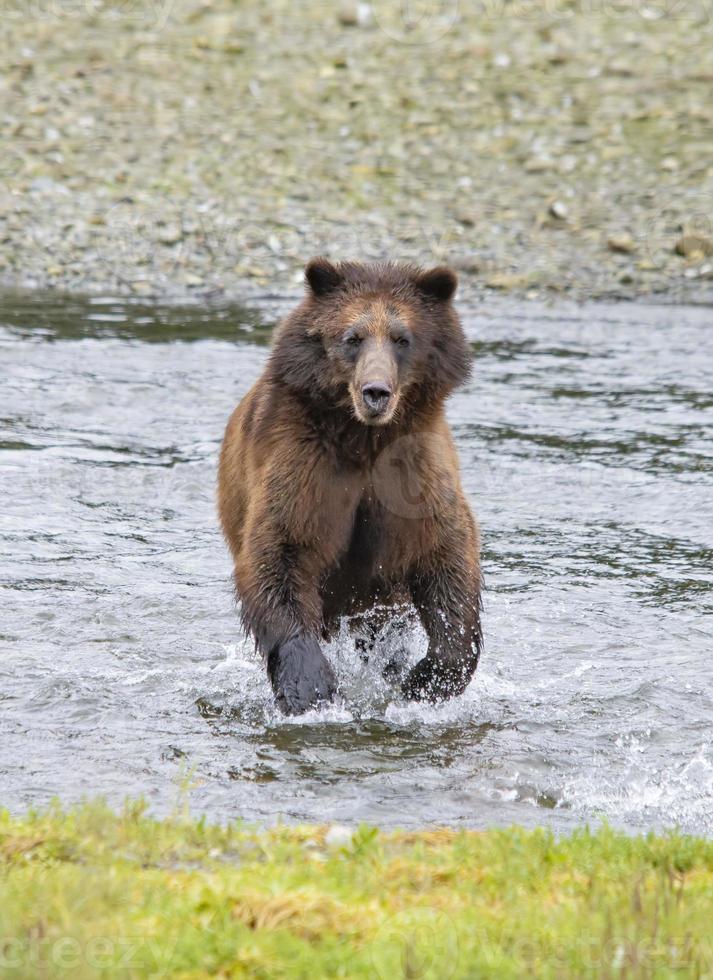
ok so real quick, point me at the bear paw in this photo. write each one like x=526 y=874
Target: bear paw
x=433 y=680
x=301 y=676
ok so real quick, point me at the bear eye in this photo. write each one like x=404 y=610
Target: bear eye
x=354 y=340
x=402 y=341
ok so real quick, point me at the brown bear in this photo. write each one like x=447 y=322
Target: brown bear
x=339 y=488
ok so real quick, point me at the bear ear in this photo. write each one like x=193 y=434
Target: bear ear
x=322 y=277
x=439 y=283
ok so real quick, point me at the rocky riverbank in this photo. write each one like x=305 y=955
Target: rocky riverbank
x=205 y=148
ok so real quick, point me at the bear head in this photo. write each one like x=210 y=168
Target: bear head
x=374 y=339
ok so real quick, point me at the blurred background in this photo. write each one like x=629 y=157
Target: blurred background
x=208 y=147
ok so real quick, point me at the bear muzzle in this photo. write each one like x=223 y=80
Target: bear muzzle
x=375 y=383
x=376 y=402
x=376 y=396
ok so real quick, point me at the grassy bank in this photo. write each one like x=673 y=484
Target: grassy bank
x=181 y=147
x=89 y=893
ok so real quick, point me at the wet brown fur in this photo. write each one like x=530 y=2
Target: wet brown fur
x=314 y=531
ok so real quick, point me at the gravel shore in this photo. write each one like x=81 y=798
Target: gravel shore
x=181 y=148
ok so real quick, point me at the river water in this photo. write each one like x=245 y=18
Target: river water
x=587 y=452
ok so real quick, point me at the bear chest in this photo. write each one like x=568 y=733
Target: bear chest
x=360 y=566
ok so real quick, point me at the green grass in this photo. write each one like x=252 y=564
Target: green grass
x=91 y=893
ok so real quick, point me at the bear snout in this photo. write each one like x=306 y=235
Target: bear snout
x=376 y=396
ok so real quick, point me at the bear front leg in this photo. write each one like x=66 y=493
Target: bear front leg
x=448 y=602
x=282 y=609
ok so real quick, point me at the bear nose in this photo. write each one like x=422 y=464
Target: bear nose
x=376 y=395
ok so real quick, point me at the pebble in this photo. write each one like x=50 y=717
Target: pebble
x=538 y=165
x=692 y=245
x=170 y=236
x=354 y=14
x=506 y=281
x=558 y=210
x=466 y=218
x=621 y=243
x=193 y=280
x=348 y=15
